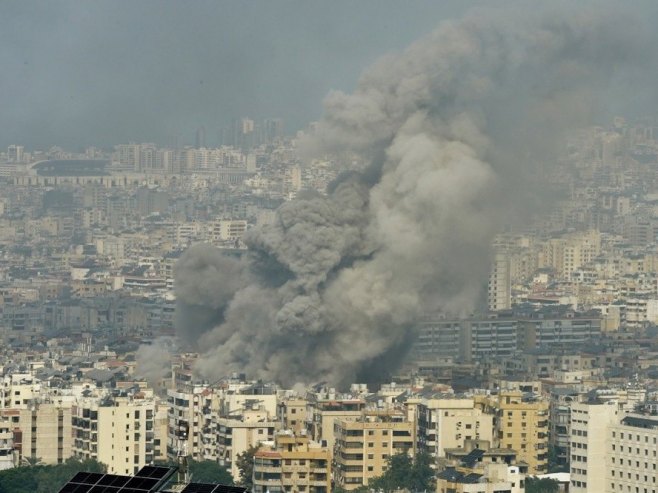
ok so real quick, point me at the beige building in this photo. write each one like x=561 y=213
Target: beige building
x=499 y=291
x=495 y=478
x=291 y=414
x=43 y=431
x=448 y=422
x=363 y=447
x=293 y=464
x=324 y=411
x=589 y=425
x=522 y=425
x=116 y=431
x=570 y=252
x=237 y=435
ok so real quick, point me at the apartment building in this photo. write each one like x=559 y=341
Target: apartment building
x=115 y=430
x=8 y=456
x=324 y=409
x=496 y=478
x=363 y=447
x=631 y=460
x=291 y=414
x=589 y=426
x=43 y=431
x=292 y=464
x=521 y=425
x=448 y=422
x=237 y=434
x=185 y=405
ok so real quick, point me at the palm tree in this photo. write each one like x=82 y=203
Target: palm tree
x=31 y=461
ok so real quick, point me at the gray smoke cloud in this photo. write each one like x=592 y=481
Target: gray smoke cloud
x=451 y=132
x=153 y=361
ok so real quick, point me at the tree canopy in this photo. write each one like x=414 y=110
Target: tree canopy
x=44 y=478
x=209 y=471
x=541 y=485
x=403 y=472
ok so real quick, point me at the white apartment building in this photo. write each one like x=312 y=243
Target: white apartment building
x=446 y=423
x=8 y=457
x=631 y=446
x=117 y=431
x=185 y=411
x=589 y=444
x=227 y=229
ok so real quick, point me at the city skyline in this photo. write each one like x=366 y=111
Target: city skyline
x=80 y=74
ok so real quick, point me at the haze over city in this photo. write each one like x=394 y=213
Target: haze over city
x=365 y=246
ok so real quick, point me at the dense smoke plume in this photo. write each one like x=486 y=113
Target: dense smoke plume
x=451 y=130
x=153 y=361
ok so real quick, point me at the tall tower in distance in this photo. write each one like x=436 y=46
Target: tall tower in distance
x=200 y=141
x=499 y=293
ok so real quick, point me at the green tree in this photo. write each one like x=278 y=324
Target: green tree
x=44 y=478
x=209 y=471
x=541 y=485
x=245 y=464
x=32 y=461
x=403 y=472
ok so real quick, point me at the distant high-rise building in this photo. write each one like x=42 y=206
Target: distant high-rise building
x=243 y=133
x=200 y=140
x=499 y=294
x=273 y=129
x=15 y=153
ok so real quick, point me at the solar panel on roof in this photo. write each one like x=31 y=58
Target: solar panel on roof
x=114 y=480
x=138 y=483
x=104 y=489
x=75 y=488
x=154 y=472
x=222 y=488
x=198 y=488
x=212 y=488
x=147 y=480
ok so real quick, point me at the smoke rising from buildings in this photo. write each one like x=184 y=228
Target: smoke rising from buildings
x=153 y=361
x=451 y=130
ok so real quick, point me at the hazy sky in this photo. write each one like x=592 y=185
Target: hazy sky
x=78 y=73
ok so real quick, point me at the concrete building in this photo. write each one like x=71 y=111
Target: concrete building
x=292 y=464
x=630 y=448
x=522 y=425
x=227 y=229
x=449 y=422
x=589 y=427
x=236 y=435
x=44 y=432
x=496 y=478
x=499 y=292
x=117 y=431
x=324 y=409
x=291 y=414
x=363 y=447
x=185 y=409
x=8 y=456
